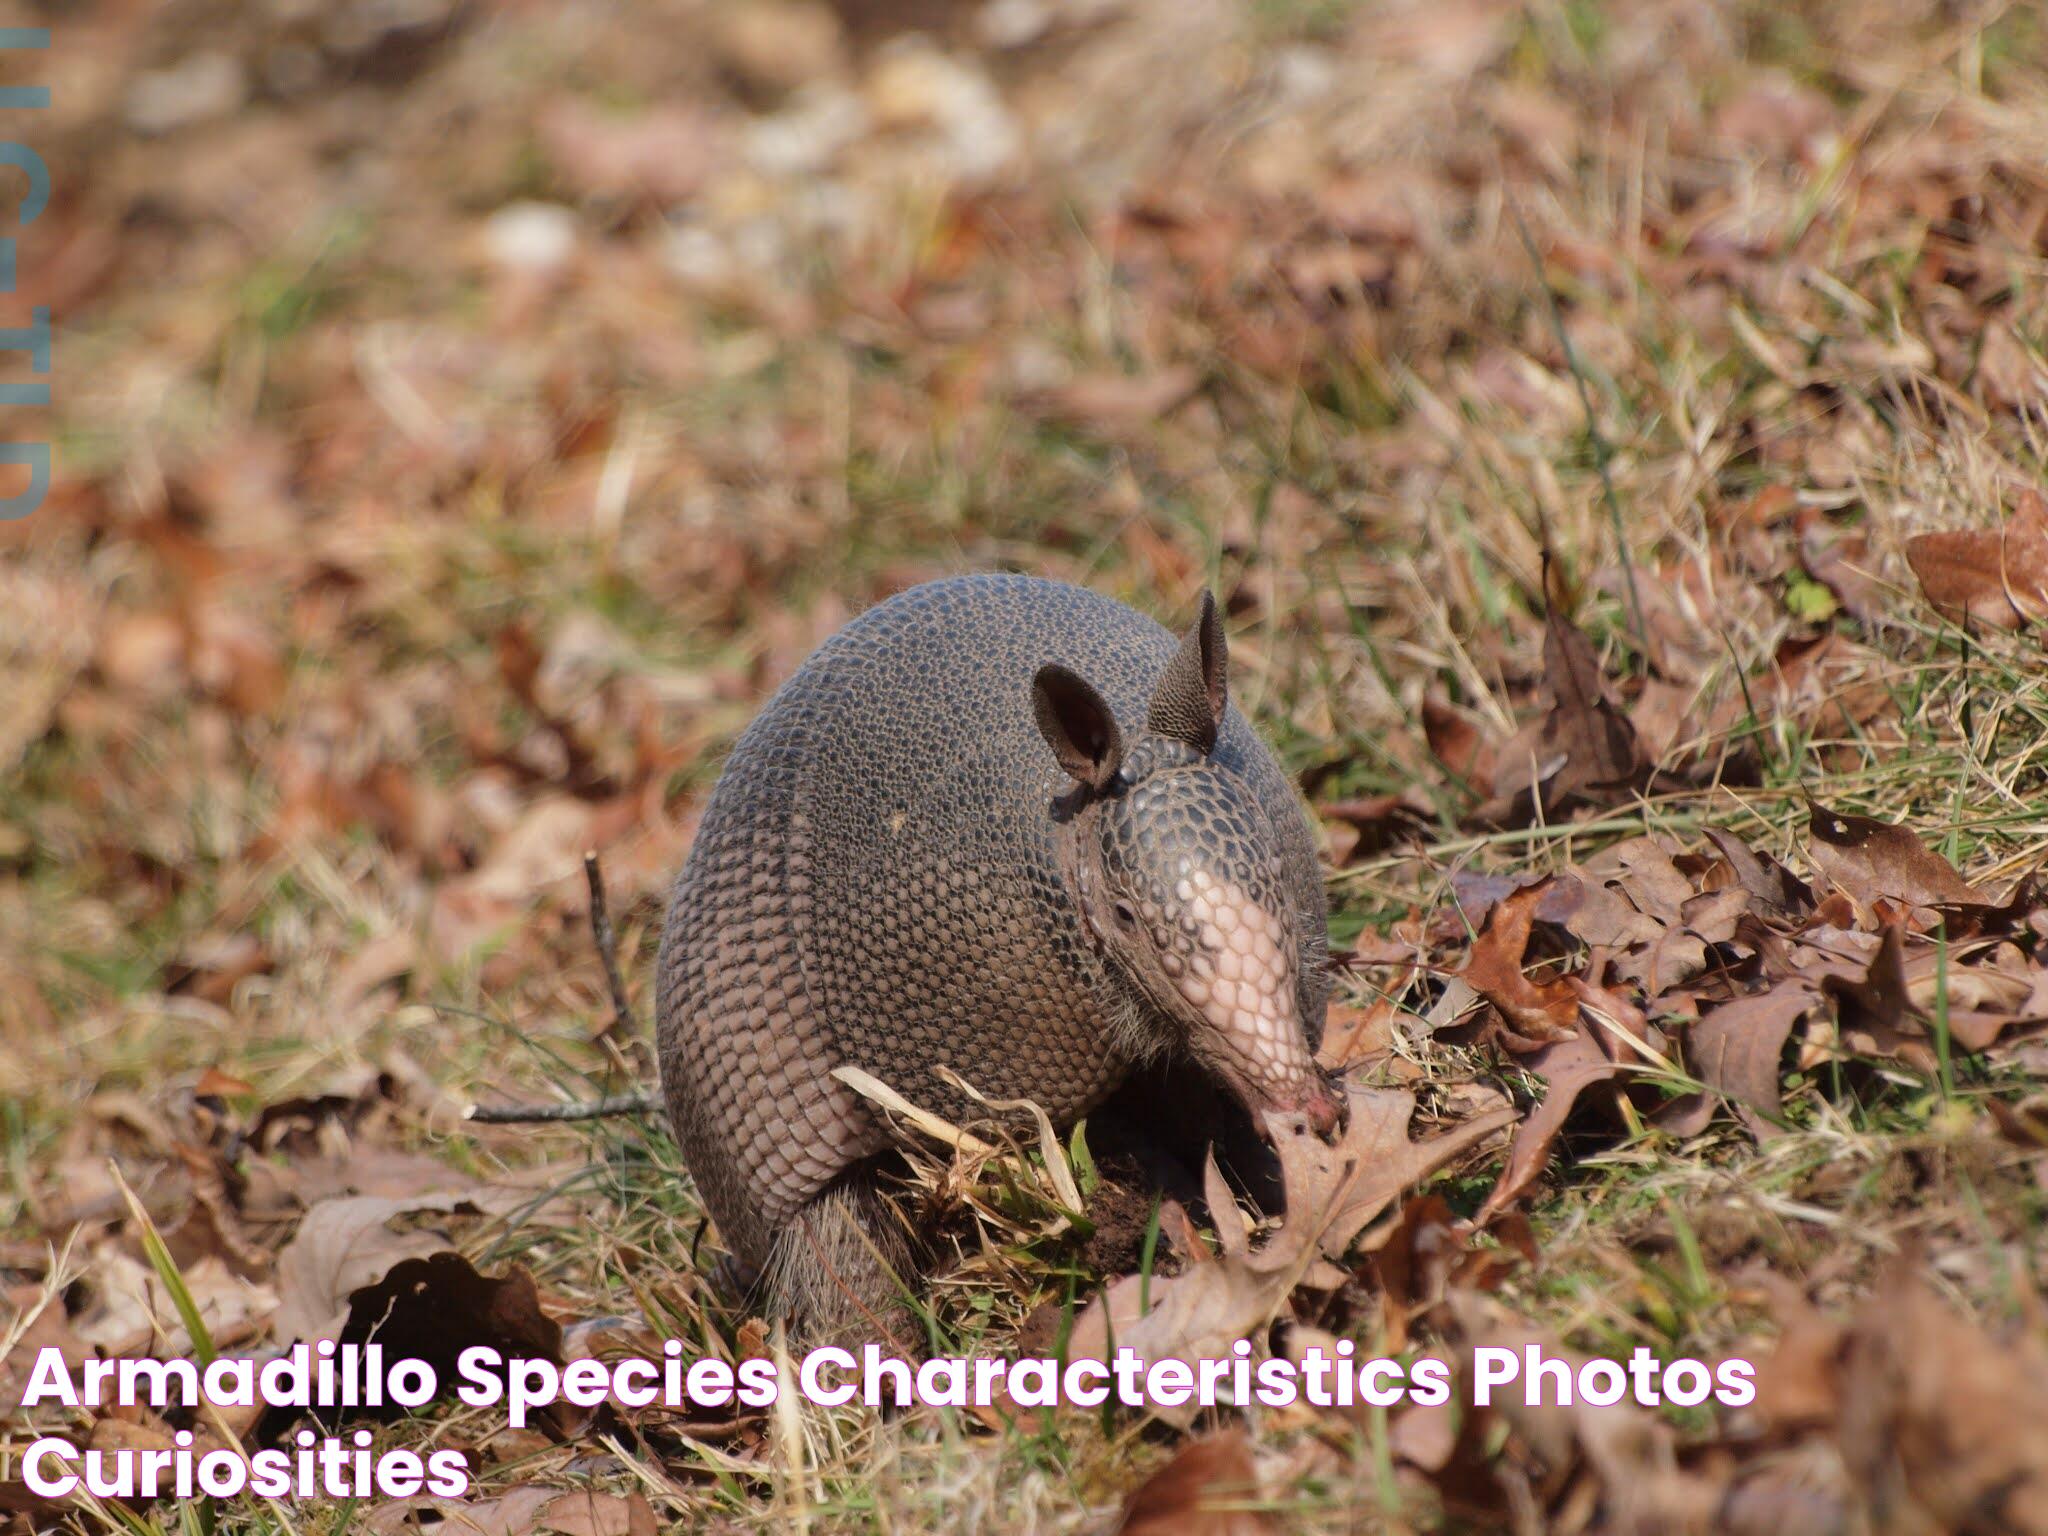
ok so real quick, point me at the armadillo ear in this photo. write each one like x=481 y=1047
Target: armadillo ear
x=1077 y=724
x=1189 y=703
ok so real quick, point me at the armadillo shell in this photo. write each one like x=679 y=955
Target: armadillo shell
x=874 y=884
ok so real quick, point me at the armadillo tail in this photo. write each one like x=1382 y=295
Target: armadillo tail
x=843 y=1272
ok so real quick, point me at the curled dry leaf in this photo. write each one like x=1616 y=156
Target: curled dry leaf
x=1424 y=1253
x=1774 y=891
x=1208 y=1489
x=1536 y=1013
x=345 y=1245
x=1875 y=1010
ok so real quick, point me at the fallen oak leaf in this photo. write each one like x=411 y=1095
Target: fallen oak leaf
x=346 y=1244
x=1425 y=1252
x=1332 y=1194
x=1376 y=822
x=1629 y=1455
x=1940 y=1424
x=1457 y=743
x=347 y=1276
x=436 y=1306
x=1201 y=1312
x=1355 y=1036
x=1474 y=896
x=2028 y=896
x=1773 y=889
x=1868 y=859
x=1585 y=723
x=1384 y=1160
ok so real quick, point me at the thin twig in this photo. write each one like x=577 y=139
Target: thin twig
x=582 y=1109
x=624 y=1025
x=624 y=1028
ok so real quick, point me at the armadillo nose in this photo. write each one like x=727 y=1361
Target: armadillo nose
x=1327 y=1114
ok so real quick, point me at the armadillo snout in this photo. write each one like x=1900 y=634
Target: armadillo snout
x=1327 y=1114
x=1241 y=985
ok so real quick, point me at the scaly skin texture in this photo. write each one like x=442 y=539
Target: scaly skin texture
x=878 y=882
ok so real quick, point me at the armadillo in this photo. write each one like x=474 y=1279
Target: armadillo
x=998 y=824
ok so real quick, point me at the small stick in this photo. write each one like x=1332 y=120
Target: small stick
x=588 y=1109
x=624 y=1028
x=624 y=1025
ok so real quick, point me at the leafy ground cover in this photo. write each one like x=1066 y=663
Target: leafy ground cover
x=1616 y=434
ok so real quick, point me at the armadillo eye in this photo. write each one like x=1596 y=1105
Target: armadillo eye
x=1125 y=917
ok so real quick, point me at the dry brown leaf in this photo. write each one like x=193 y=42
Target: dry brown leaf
x=1869 y=859
x=130 y=1312
x=1583 y=750
x=1940 y=1426
x=1353 y=1036
x=1417 y=1258
x=1568 y=1068
x=1536 y=1014
x=1773 y=889
x=345 y=1245
x=1735 y=1049
x=522 y=1512
x=1457 y=743
x=1843 y=565
x=1378 y=821
x=34 y=1318
x=1637 y=1480
x=1208 y=1489
x=1355 y=1181
x=1876 y=1012
x=1995 y=576
x=1332 y=1193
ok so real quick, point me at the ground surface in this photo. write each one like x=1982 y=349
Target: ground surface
x=468 y=412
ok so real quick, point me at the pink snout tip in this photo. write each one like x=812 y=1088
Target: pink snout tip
x=1325 y=1111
